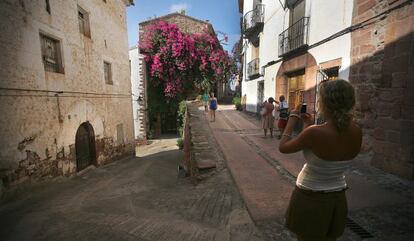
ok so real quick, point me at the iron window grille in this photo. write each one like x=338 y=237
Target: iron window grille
x=51 y=54
x=253 y=68
x=253 y=17
x=294 y=37
x=83 y=18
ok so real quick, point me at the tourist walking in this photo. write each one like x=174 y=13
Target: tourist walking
x=318 y=205
x=205 y=99
x=283 y=109
x=213 y=107
x=267 y=116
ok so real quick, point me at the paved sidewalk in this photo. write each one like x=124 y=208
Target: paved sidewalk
x=131 y=199
x=379 y=203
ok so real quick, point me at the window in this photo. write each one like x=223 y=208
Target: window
x=297 y=11
x=48 y=6
x=83 y=18
x=108 y=73
x=255 y=52
x=331 y=73
x=51 y=54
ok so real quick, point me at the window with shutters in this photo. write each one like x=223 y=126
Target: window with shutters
x=51 y=54
x=83 y=18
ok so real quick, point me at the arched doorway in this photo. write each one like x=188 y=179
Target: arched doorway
x=85 y=146
x=296 y=80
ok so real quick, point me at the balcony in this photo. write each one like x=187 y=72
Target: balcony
x=253 y=21
x=253 y=69
x=294 y=38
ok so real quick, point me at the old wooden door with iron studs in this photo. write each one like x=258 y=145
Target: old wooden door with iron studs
x=85 y=146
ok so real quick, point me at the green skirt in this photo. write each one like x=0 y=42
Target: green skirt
x=317 y=215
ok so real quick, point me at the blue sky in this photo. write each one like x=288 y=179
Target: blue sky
x=222 y=14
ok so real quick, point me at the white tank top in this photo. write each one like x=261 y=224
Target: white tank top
x=322 y=175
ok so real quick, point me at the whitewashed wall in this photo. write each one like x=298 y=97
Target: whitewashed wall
x=135 y=63
x=326 y=18
x=323 y=25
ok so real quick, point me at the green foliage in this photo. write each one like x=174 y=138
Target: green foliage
x=150 y=135
x=180 y=143
x=237 y=102
x=182 y=107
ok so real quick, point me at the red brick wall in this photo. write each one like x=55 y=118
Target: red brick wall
x=382 y=71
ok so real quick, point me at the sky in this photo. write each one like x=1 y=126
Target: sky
x=223 y=15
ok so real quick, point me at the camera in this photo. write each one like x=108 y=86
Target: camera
x=303 y=108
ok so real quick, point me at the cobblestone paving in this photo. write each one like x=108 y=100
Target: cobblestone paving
x=131 y=199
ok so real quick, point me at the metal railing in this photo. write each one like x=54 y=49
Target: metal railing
x=253 y=17
x=294 y=37
x=253 y=68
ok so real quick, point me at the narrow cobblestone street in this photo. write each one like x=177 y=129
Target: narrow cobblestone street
x=131 y=199
x=379 y=203
x=142 y=199
x=147 y=120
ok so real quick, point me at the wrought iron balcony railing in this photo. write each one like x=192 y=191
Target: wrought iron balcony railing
x=253 y=19
x=295 y=37
x=253 y=68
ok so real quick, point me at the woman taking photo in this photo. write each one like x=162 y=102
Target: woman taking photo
x=318 y=207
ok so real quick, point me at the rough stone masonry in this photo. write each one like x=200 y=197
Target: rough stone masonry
x=64 y=65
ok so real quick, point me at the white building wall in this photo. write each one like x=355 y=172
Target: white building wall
x=270 y=81
x=251 y=95
x=326 y=19
x=324 y=25
x=135 y=59
x=273 y=25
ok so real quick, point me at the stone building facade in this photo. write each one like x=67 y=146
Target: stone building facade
x=64 y=87
x=382 y=71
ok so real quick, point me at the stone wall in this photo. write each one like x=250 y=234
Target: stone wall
x=382 y=71
x=202 y=155
x=42 y=110
x=185 y=23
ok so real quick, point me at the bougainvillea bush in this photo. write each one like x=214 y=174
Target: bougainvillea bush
x=179 y=61
x=179 y=64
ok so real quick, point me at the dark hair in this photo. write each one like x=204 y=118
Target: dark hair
x=282 y=98
x=271 y=100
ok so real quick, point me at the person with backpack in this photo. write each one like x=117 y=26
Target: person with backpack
x=283 y=114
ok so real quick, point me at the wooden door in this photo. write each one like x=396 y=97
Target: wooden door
x=296 y=88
